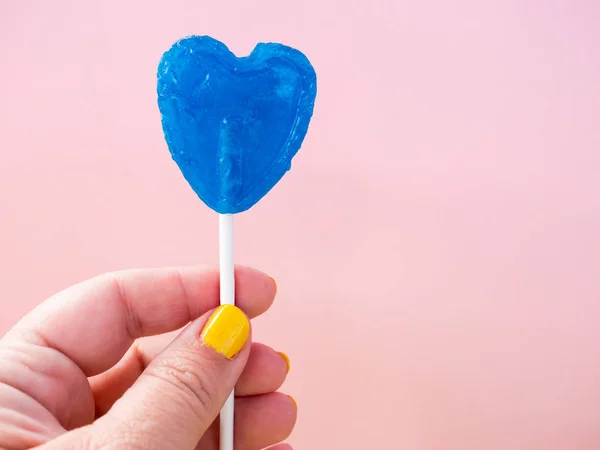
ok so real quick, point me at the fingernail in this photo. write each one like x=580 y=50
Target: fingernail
x=274 y=283
x=293 y=401
x=286 y=359
x=226 y=331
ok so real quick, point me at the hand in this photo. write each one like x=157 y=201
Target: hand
x=74 y=373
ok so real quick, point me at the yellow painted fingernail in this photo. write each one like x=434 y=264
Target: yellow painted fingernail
x=226 y=331
x=293 y=401
x=286 y=359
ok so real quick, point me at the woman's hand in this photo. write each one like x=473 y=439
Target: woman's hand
x=74 y=373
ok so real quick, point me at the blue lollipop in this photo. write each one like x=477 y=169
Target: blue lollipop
x=233 y=125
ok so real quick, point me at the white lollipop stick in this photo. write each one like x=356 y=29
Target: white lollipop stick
x=227 y=291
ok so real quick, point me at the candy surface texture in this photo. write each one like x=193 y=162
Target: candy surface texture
x=233 y=124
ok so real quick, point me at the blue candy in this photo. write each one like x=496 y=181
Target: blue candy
x=232 y=124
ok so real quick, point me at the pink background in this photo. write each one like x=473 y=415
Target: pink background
x=436 y=246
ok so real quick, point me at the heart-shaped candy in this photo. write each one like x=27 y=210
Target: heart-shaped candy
x=232 y=124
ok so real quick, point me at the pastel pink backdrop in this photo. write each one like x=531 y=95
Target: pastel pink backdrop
x=436 y=244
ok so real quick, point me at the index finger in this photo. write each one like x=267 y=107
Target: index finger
x=94 y=323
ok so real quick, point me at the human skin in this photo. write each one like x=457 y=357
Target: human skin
x=76 y=373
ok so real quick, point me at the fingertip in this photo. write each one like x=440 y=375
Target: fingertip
x=289 y=407
x=287 y=361
x=265 y=372
x=255 y=290
x=293 y=400
x=264 y=420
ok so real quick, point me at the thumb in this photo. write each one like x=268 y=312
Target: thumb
x=181 y=392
